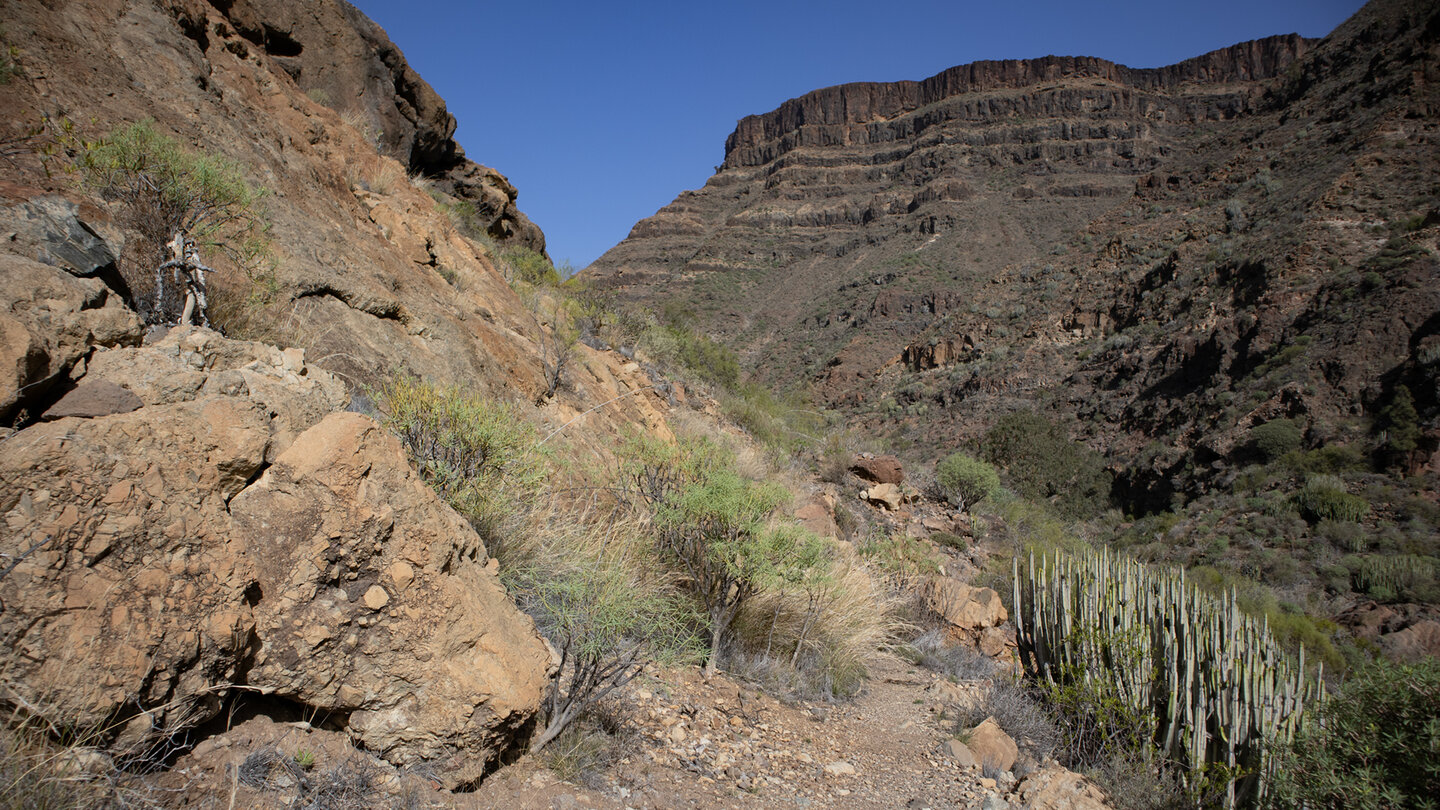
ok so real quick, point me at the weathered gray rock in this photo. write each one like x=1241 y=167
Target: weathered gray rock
x=94 y=398
x=52 y=320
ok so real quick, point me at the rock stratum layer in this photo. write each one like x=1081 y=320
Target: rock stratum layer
x=1126 y=246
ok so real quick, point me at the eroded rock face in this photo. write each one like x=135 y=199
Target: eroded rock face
x=50 y=322
x=229 y=532
x=377 y=604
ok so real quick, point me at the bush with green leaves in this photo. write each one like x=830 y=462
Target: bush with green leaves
x=1372 y=745
x=476 y=453
x=1401 y=425
x=719 y=529
x=597 y=596
x=531 y=267
x=1275 y=438
x=1043 y=464
x=1324 y=497
x=163 y=189
x=966 y=481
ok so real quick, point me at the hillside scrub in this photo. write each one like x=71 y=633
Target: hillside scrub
x=478 y=454
x=1371 y=746
x=163 y=192
x=965 y=481
x=785 y=605
x=596 y=591
x=1043 y=464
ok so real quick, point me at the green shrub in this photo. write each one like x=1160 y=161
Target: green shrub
x=966 y=481
x=1372 y=745
x=531 y=267
x=1043 y=464
x=1401 y=425
x=1275 y=438
x=478 y=454
x=596 y=596
x=1324 y=498
x=717 y=529
x=164 y=190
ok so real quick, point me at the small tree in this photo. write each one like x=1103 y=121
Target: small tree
x=966 y=481
x=607 y=614
x=716 y=528
x=1402 y=426
x=557 y=349
x=177 y=203
x=1275 y=438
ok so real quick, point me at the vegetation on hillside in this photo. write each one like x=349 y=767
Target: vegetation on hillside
x=163 y=190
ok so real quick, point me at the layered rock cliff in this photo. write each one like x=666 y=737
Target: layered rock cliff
x=1129 y=245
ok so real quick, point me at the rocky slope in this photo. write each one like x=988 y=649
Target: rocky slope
x=1128 y=245
x=190 y=516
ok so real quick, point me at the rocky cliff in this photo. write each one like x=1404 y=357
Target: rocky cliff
x=1131 y=245
x=192 y=516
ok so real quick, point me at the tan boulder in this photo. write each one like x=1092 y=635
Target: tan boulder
x=879 y=469
x=994 y=642
x=817 y=516
x=138 y=600
x=960 y=752
x=444 y=671
x=888 y=496
x=50 y=321
x=964 y=607
x=154 y=569
x=991 y=746
x=1055 y=787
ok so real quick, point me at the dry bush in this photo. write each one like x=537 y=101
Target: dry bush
x=813 y=641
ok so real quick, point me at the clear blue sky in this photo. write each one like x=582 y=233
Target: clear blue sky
x=601 y=113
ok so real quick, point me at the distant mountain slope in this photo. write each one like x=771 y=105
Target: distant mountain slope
x=1125 y=246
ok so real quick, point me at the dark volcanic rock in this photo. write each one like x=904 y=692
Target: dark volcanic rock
x=344 y=60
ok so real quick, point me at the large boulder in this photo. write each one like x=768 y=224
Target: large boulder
x=228 y=533
x=964 y=607
x=378 y=604
x=51 y=322
x=992 y=747
x=879 y=469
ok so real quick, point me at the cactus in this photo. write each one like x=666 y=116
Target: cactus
x=1393 y=575
x=1218 y=687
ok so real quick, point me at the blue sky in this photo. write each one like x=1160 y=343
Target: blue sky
x=601 y=113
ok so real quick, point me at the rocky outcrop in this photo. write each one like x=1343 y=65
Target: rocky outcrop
x=50 y=324
x=342 y=59
x=875 y=218
x=1142 y=243
x=228 y=536
x=884 y=469
x=847 y=112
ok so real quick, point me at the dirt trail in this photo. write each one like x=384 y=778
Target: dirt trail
x=723 y=744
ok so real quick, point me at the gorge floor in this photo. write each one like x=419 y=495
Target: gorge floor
x=724 y=744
